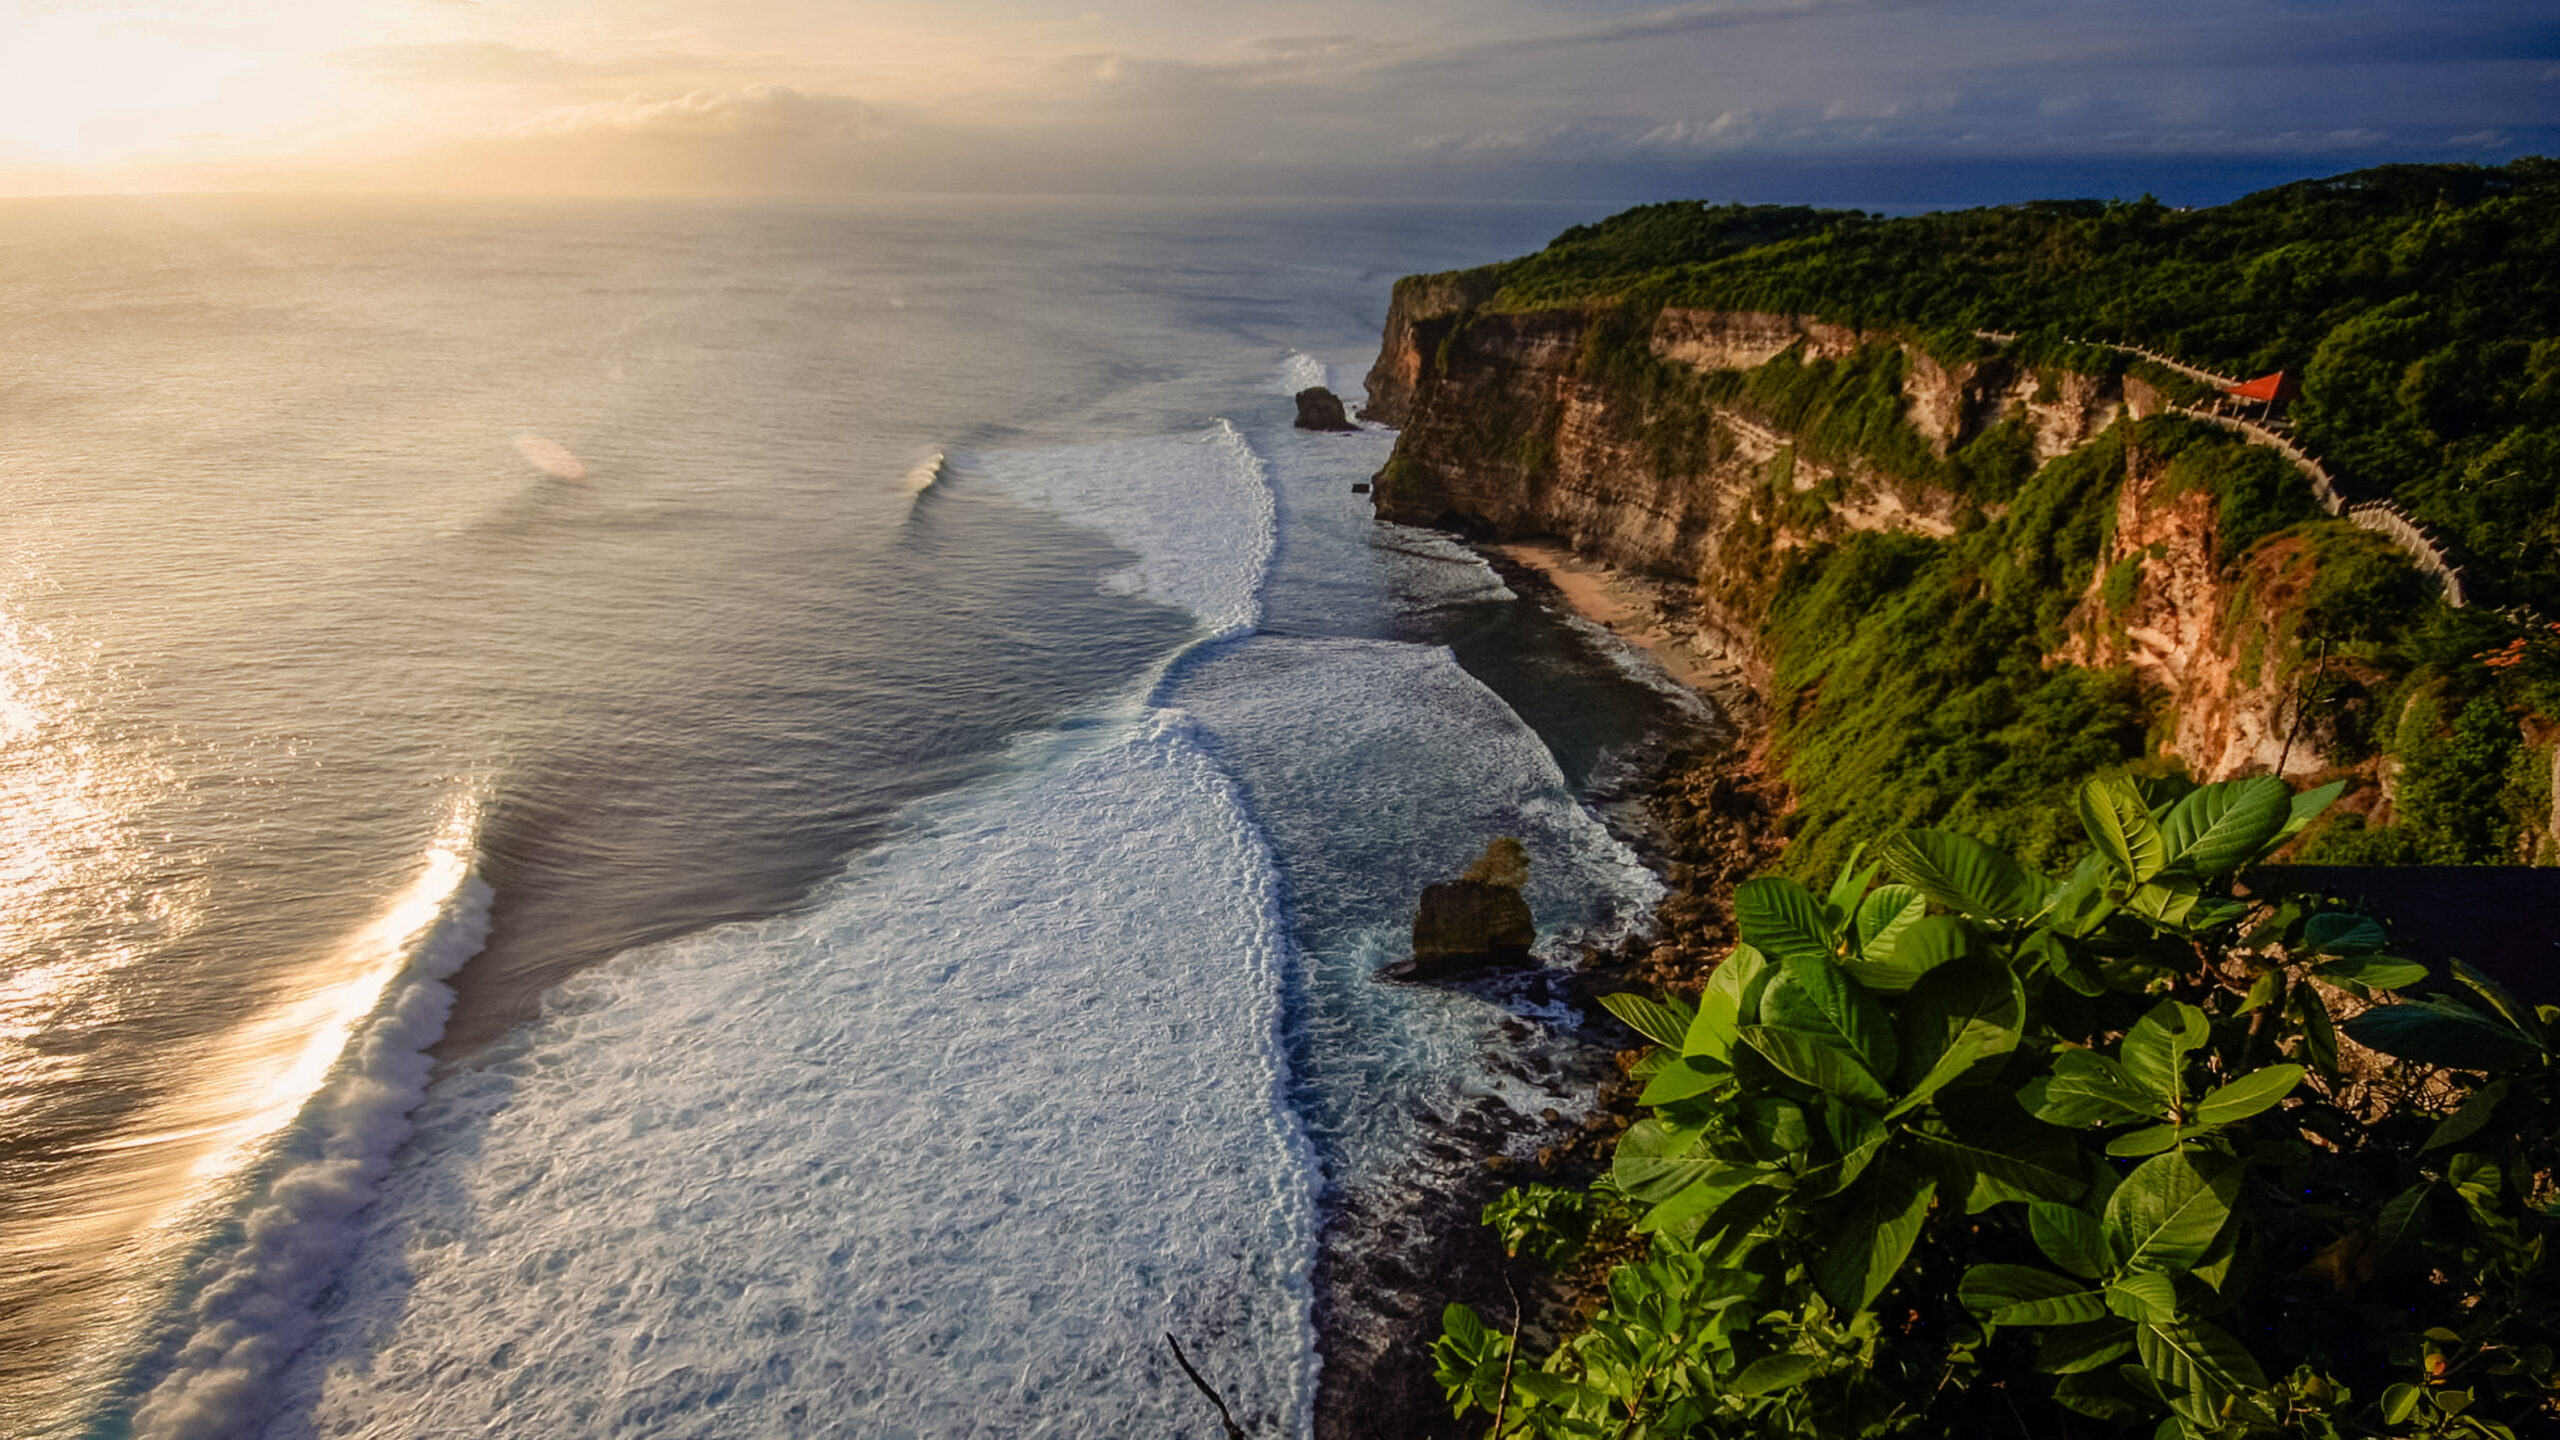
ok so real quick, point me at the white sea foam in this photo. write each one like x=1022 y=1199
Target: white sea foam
x=248 y=1298
x=1303 y=371
x=1196 y=510
x=944 y=1155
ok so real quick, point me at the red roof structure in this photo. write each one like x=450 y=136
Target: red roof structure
x=2275 y=389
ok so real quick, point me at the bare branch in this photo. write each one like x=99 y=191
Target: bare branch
x=1234 y=1431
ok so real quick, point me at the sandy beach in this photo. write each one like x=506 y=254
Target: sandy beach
x=1628 y=606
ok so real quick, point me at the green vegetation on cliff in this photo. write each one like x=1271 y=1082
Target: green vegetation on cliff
x=2420 y=304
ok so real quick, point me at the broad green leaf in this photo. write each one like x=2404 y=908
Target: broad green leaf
x=1956 y=1017
x=1988 y=1138
x=1815 y=1060
x=1772 y=1373
x=2166 y=1213
x=1681 y=1079
x=2440 y=1030
x=2200 y=1366
x=2168 y=899
x=2399 y=1402
x=2401 y=1217
x=2266 y=989
x=1711 y=1190
x=2477 y=1180
x=1921 y=947
x=2338 y=933
x=2306 y=807
x=1857 y=1136
x=2087 y=1088
x=2102 y=1394
x=1887 y=911
x=2260 y=1089
x=2071 y=1349
x=1778 y=1130
x=2462 y=1124
x=1777 y=916
x=2070 y=1237
x=2374 y=972
x=1655 y=1161
x=1818 y=998
x=2151 y=1141
x=2515 y=1012
x=2318 y=1045
x=2025 y=1295
x=1871 y=1235
x=1963 y=874
x=2154 y=1053
x=2218 y=828
x=1851 y=883
x=2078 y=904
x=1729 y=1002
x=1662 y=1022
x=1462 y=1325
x=2144 y=1296
x=2120 y=825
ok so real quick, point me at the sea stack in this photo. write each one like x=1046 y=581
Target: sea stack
x=1321 y=409
x=1476 y=920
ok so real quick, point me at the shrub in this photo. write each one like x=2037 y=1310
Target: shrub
x=1975 y=1150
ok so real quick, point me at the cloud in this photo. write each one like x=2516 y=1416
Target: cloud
x=758 y=112
x=489 y=62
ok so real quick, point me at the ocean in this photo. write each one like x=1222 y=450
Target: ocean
x=718 y=819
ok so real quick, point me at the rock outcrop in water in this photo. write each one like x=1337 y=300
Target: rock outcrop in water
x=1321 y=409
x=1476 y=920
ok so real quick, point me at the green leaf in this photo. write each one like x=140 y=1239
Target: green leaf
x=2440 y=1030
x=2024 y=1295
x=2167 y=1212
x=1710 y=1191
x=2218 y=828
x=1655 y=1161
x=2260 y=1089
x=2072 y=1349
x=1781 y=919
x=2266 y=989
x=1730 y=1000
x=1887 y=911
x=2477 y=1180
x=1990 y=1139
x=2515 y=1012
x=1921 y=947
x=2120 y=825
x=1772 y=1373
x=2462 y=1124
x=2154 y=1053
x=2319 y=1042
x=1681 y=1079
x=2374 y=972
x=1857 y=1136
x=2400 y=1220
x=2087 y=1088
x=1815 y=1060
x=1872 y=1235
x=2151 y=1141
x=2168 y=900
x=1956 y=1018
x=2200 y=1366
x=2144 y=1296
x=2307 y=806
x=2399 y=1402
x=2070 y=1237
x=1963 y=874
x=1662 y=1022
x=2337 y=933
x=1851 y=883
x=2078 y=904
x=1818 y=998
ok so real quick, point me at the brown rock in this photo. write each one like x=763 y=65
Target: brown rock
x=1321 y=409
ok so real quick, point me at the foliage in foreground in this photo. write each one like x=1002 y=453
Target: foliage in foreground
x=1977 y=1151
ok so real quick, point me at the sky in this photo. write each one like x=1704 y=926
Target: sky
x=1832 y=101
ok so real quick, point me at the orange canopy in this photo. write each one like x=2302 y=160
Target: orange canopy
x=2278 y=386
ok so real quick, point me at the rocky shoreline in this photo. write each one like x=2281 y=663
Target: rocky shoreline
x=1394 y=1254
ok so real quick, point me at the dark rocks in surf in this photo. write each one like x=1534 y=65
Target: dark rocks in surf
x=1321 y=409
x=1476 y=920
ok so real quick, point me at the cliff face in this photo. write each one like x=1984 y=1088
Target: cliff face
x=1512 y=431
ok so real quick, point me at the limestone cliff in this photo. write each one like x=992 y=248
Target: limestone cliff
x=1514 y=426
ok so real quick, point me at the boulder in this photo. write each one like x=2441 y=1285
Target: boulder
x=1477 y=920
x=1321 y=409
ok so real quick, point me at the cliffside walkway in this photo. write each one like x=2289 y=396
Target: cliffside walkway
x=2382 y=516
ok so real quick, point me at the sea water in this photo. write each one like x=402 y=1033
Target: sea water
x=665 y=819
